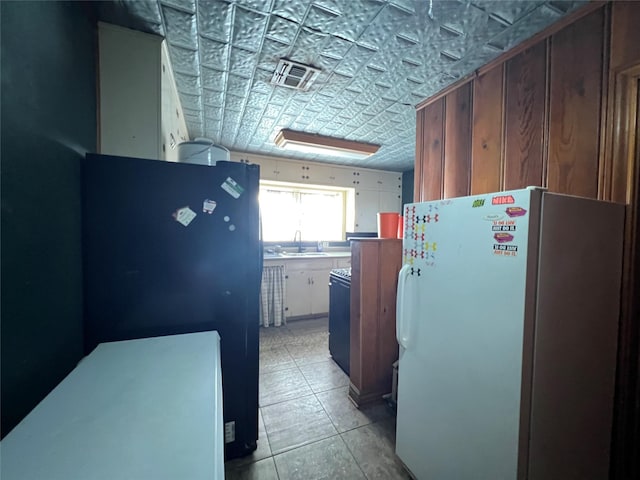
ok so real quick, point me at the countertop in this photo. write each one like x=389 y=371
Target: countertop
x=306 y=255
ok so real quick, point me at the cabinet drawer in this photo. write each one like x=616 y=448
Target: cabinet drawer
x=307 y=264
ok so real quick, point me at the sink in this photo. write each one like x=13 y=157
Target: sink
x=303 y=254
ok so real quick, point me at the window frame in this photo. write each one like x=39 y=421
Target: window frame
x=347 y=201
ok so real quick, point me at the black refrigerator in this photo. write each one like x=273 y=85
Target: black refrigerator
x=171 y=248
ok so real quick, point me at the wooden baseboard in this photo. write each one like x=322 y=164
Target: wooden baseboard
x=368 y=398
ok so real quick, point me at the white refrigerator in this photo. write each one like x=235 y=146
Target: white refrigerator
x=507 y=320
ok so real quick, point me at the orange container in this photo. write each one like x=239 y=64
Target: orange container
x=388 y=225
x=400 y=226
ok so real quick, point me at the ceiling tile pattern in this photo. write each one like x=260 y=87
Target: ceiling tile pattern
x=377 y=58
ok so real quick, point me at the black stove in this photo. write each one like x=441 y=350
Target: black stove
x=339 y=316
x=342 y=273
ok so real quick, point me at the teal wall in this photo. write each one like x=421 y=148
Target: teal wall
x=48 y=105
x=407 y=187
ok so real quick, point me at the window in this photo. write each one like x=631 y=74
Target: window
x=318 y=213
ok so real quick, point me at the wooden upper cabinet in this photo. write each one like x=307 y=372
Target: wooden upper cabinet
x=533 y=119
x=625 y=35
x=457 y=145
x=623 y=90
x=575 y=99
x=429 y=150
x=486 y=143
x=525 y=86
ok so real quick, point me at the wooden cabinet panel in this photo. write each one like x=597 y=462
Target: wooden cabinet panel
x=624 y=63
x=457 y=149
x=486 y=143
x=428 y=181
x=525 y=86
x=373 y=345
x=625 y=34
x=574 y=116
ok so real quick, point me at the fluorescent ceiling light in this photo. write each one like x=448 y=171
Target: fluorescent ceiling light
x=319 y=144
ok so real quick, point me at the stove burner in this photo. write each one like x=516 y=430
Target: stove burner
x=342 y=273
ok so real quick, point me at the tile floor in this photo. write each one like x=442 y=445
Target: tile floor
x=308 y=428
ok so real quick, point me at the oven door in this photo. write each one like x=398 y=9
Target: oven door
x=339 y=320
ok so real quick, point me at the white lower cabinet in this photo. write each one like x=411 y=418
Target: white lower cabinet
x=297 y=301
x=307 y=283
x=307 y=287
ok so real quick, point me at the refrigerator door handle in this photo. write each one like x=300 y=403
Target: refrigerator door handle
x=402 y=316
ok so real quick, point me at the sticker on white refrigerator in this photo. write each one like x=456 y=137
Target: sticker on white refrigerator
x=493 y=217
x=184 y=216
x=479 y=202
x=505 y=227
x=208 y=206
x=232 y=188
x=505 y=250
x=503 y=237
x=515 y=212
x=502 y=200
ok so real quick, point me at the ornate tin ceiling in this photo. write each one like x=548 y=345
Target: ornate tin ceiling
x=378 y=60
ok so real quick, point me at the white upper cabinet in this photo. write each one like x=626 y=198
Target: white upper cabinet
x=375 y=190
x=139 y=108
x=304 y=172
x=390 y=182
x=172 y=124
x=341 y=176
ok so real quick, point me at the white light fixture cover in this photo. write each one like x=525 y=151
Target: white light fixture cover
x=319 y=144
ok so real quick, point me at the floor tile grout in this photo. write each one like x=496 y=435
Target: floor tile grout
x=287 y=341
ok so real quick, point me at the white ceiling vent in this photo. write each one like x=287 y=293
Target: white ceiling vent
x=294 y=75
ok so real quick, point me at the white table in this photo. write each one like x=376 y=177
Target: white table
x=137 y=409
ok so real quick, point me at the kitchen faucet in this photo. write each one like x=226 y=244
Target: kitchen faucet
x=298 y=235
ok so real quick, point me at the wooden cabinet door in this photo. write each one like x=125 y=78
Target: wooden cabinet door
x=574 y=116
x=457 y=147
x=486 y=142
x=525 y=102
x=429 y=150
